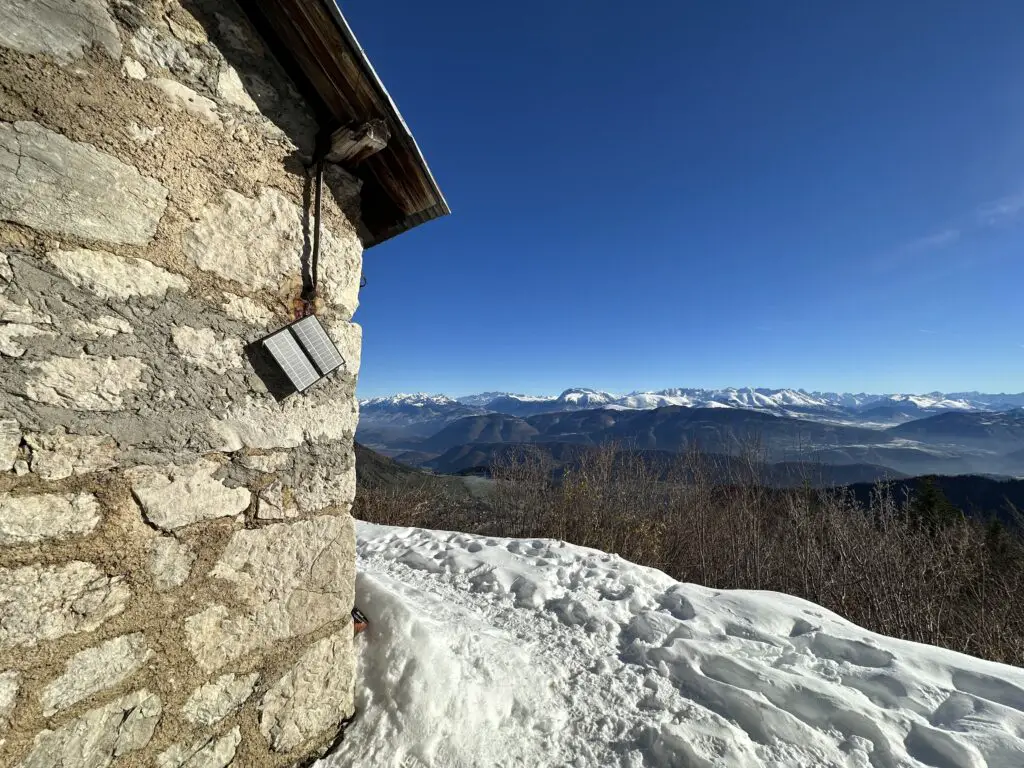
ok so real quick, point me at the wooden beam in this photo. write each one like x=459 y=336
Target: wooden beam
x=351 y=144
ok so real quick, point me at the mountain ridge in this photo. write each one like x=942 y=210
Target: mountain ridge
x=913 y=434
x=754 y=398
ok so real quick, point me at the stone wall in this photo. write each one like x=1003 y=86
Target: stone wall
x=176 y=549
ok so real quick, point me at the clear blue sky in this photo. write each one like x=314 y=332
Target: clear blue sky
x=782 y=194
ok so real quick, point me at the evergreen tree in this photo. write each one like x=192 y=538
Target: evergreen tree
x=930 y=508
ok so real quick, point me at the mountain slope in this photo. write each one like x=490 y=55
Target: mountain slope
x=506 y=652
x=723 y=468
x=372 y=470
x=672 y=428
x=719 y=430
x=997 y=428
x=1014 y=462
x=489 y=428
x=388 y=421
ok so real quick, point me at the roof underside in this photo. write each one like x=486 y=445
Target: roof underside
x=314 y=41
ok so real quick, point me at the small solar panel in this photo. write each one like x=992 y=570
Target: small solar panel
x=318 y=344
x=304 y=351
x=293 y=361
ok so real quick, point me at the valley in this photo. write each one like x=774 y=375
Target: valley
x=833 y=438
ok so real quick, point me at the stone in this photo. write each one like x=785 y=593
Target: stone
x=21 y=468
x=6 y=273
x=104 y=327
x=84 y=383
x=56 y=455
x=314 y=697
x=164 y=52
x=11 y=332
x=182 y=97
x=291 y=578
x=211 y=703
x=207 y=349
x=53 y=184
x=191 y=32
x=108 y=325
x=339 y=285
x=175 y=496
x=10 y=444
x=170 y=563
x=95 y=669
x=31 y=519
x=141 y=134
x=63 y=29
x=205 y=753
x=272 y=506
x=115 y=277
x=21 y=313
x=100 y=736
x=133 y=69
x=39 y=603
x=325 y=476
x=258 y=242
x=348 y=337
x=267 y=462
x=255 y=242
x=231 y=90
x=245 y=309
x=264 y=424
x=8 y=696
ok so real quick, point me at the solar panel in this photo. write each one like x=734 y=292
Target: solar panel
x=318 y=344
x=293 y=361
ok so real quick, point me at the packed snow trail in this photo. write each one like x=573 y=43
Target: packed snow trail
x=514 y=652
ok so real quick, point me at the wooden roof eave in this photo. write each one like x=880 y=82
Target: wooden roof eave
x=399 y=190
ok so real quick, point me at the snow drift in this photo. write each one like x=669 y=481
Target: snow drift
x=507 y=652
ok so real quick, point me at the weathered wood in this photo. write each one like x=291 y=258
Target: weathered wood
x=350 y=145
x=399 y=191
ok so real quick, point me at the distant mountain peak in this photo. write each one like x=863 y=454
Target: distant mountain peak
x=586 y=396
x=409 y=398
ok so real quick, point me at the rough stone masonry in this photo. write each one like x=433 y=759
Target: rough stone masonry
x=176 y=549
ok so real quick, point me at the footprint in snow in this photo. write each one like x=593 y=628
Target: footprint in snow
x=801 y=627
x=956 y=707
x=854 y=652
x=941 y=749
x=881 y=689
x=990 y=688
x=677 y=604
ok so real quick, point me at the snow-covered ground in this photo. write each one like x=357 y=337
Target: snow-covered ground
x=499 y=652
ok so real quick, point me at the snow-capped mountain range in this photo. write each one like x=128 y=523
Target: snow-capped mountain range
x=884 y=407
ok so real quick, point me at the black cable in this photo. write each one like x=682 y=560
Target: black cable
x=314 y=260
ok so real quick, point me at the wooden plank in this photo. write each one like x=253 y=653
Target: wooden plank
x=351 y=144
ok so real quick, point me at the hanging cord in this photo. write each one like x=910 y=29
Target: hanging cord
x=314 y=261
x=309 y=292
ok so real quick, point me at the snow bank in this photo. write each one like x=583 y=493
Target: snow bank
x=506 y=652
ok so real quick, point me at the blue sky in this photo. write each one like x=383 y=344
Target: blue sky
x=658 y=194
